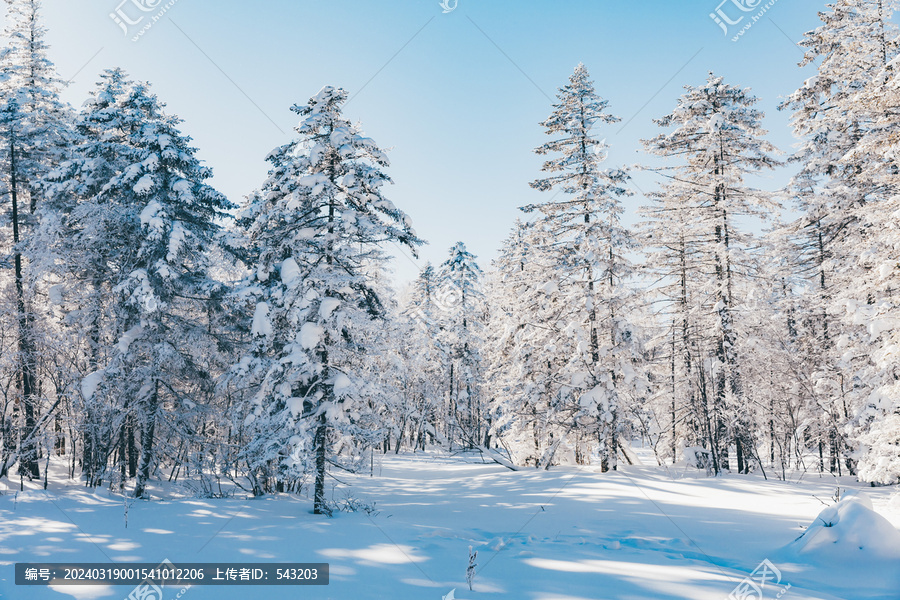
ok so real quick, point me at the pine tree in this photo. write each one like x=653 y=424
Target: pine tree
x=718 y=134
x=589 y=247
x=423 y=364
x=838 y=115
x=33 y=133
x=461 y=313
x=315 y=232
x=74 y=239
x=136 y=245
x=520 y=347
x=674 y=236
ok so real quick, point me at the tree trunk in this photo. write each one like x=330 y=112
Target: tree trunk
x=132 y=449
x=28 y=464
x=319 y=506
x=147 y=433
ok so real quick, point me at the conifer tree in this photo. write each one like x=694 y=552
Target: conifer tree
x=718 y=135
x=315 y=234
x=589 y=247
x=33 y=132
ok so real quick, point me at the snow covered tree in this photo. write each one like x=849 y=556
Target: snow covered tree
x=674 y=235
x=134 y=251
x=844 y=120
x=718 y=134
x=33 y=131
x=520 y=349
x=589 y=247
x=315 y=232
x=461 y=313
x=423 y=362
x=881 y=462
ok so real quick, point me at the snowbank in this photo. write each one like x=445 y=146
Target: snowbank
x=849 y=541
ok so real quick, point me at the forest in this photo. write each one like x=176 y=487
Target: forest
x=152 y=328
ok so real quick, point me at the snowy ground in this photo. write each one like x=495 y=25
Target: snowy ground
x=566 y=534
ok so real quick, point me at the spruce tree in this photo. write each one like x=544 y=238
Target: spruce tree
x=315 y=233
x=717 y=133
x=34 y=126
x=588 y=247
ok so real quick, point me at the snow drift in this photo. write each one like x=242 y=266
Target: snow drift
x=849 y=542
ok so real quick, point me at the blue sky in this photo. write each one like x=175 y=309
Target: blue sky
x=457 y=96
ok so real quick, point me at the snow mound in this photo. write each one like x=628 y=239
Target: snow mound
x=310 y=335
x=849 y=541
x=850 y=529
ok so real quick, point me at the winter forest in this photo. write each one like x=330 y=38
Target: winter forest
x=154 y=330
x=152 y=327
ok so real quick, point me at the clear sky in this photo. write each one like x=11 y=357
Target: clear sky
x=457 y=96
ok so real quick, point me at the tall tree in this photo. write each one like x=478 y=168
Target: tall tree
x=521 y=341
x=315 y=233
x=674 y=236
x=836 y=114
x=137 y=244
x=460 y=302
x=718 y=134
x=33 y=122
x=589 y=247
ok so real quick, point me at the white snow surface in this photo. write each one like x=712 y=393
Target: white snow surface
x=642 y=533
x=847 y=540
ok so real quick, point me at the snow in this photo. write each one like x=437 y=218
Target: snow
x=715 y=122
x=342 y=384
x=149 y=216
x=310 y=335
x=295 y=405
x=549 y=288
x=56 y=294
x=849 y=542
x=261 y=323
x=144 y=185
x=128 y=338
x=290 y=272
x=329 y=305
x=566 y=534
x=315 y=182
x=90 y=383
x=176 y=241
